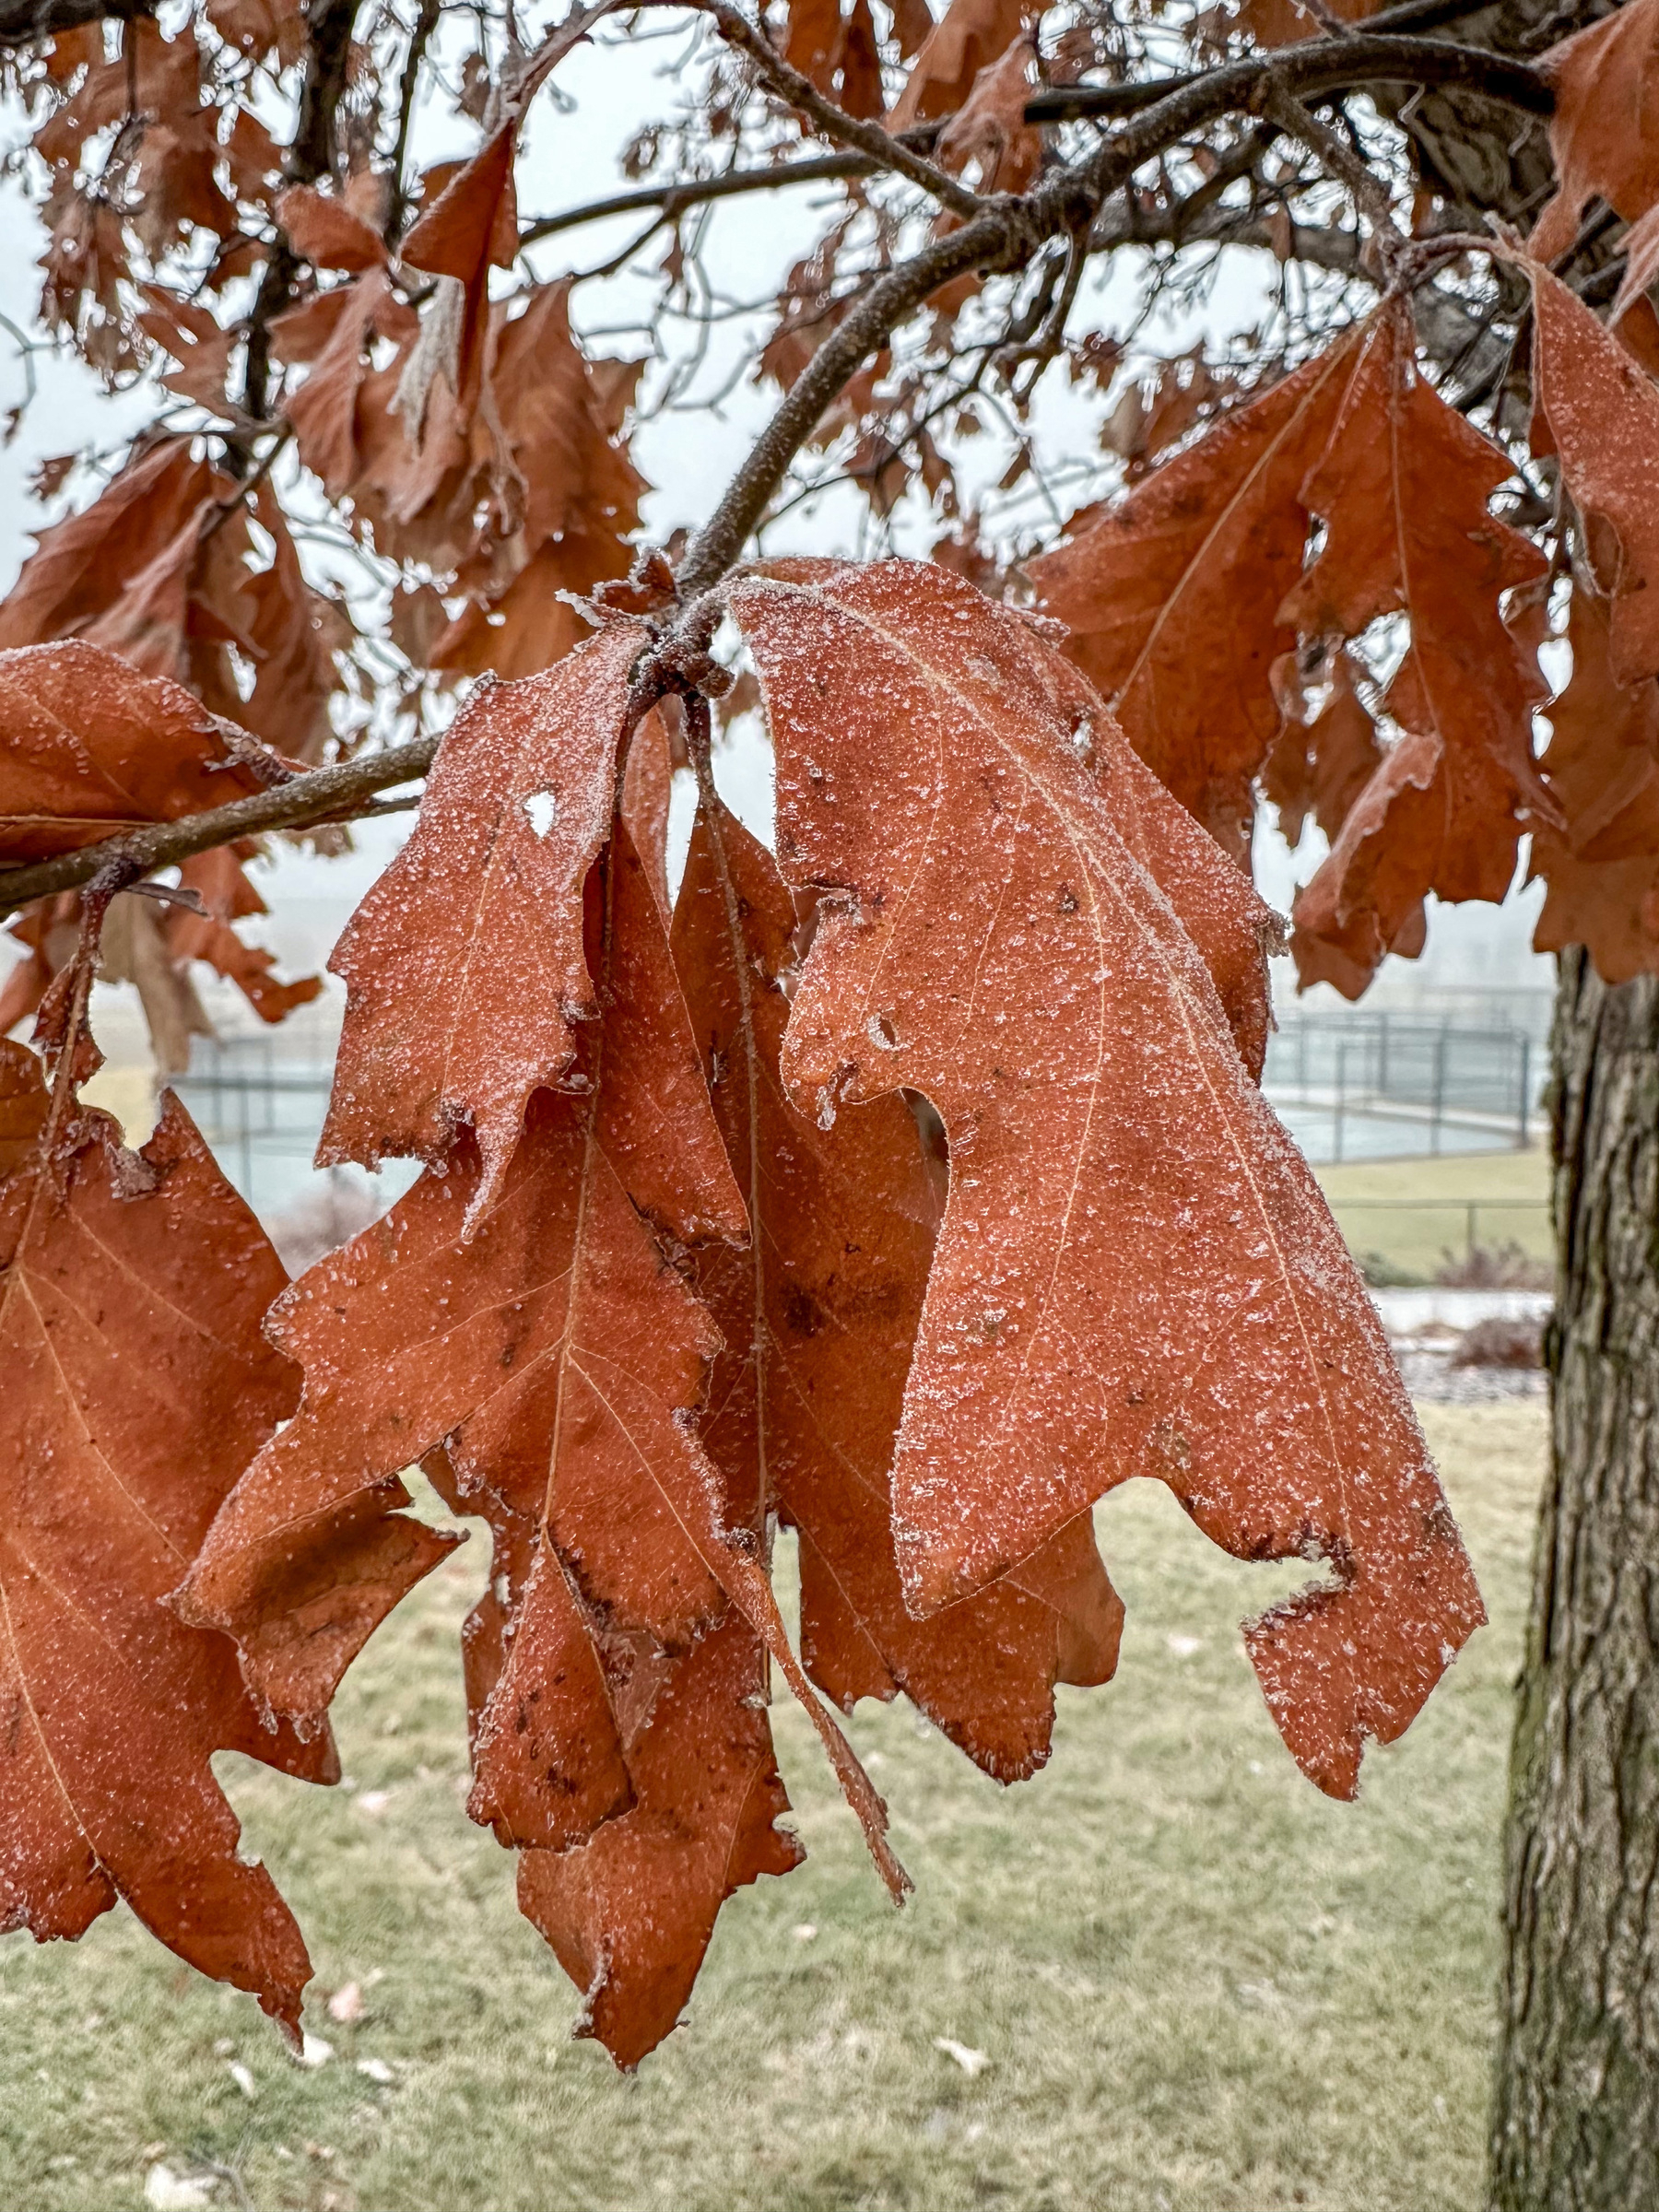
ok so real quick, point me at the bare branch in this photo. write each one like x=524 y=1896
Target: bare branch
x=1002 y=238
x=1322 y=66
x=328 y=49
x=696 y=192
x=426 y=22
x=1369 y=194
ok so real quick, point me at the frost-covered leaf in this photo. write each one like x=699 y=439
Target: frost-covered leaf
x=1173 y=595
x=1602 y=418
x=820 y=1313
x=1137 y=1273
x=1602 y=866
x=1604 y=131
x=93 y=748
x=464 y=966
x=1404 y=490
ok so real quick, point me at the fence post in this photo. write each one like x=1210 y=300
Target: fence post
x=1525 y=1088
x=1474 y=1209
x=1440 y=1093
x=1341 y=1097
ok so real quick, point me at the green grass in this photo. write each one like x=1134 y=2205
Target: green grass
x=1202 y=1987
x=1426 y=1215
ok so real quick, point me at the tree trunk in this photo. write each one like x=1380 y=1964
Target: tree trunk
x=1575 y=2126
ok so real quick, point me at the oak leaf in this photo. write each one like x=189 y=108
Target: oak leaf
x=465 y=966
x=813 y=36
x=1320 y=765
x=93 y=748
x=1605 y=81
x=1404 y=487
x=1137 y=1273
x=1601 y=868
x=820 y=1314
x=1602 y=416
x=558 y=1358
x=137 y=1385
x=630 y=1911
x=990 y=129
x=1174 y=595
x=969 y=37
x=470 y=229
x=326 y=232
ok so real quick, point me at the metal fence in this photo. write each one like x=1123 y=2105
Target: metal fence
x=1375 y=1084
x=261 y=1112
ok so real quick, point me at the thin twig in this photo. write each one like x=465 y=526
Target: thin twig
x=674 y=198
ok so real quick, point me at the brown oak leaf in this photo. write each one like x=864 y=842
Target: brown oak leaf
x=1404 y=488
x=93 y=748
x=969 y=36
x=630 y=1911
x=1137 y=1273
x=464 y=968
x=1602 y=416
x=1173 y=595
x=137 y=1386
x=1601 y=868
x=820 y=1314
x=1605 y=81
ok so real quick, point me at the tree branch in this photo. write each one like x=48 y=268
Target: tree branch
x=328 y=49
x=426 y=22
x=1320 y=66
x=1002 y=237
x=336 y=794
x=671 y=198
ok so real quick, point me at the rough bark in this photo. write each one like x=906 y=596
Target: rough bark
x=1575 y=2124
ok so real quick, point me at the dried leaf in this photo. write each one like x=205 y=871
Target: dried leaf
x=990 y=129
x=629 y=1912
x=1320 y=767
x=1603 y=419
x=1605 y=81
x=1602 y=866
x=326 y=231
x=560 y=1356
x=1404 y=488
x=1173 y=595
x=819 y=1316
x=814 y=34
x=969 y=37
x=93 y=748
x=464 y=970
x=132 y=949
x=131 y=1291
x=1137 y=1273
x=86 y=564
x=218 y=879
x=469 y=230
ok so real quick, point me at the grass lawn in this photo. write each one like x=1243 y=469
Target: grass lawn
x=1200 y=1986
x=1425 y=1213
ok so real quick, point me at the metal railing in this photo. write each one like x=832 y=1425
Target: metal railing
x=1437 y=1076
x=260 y=1112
